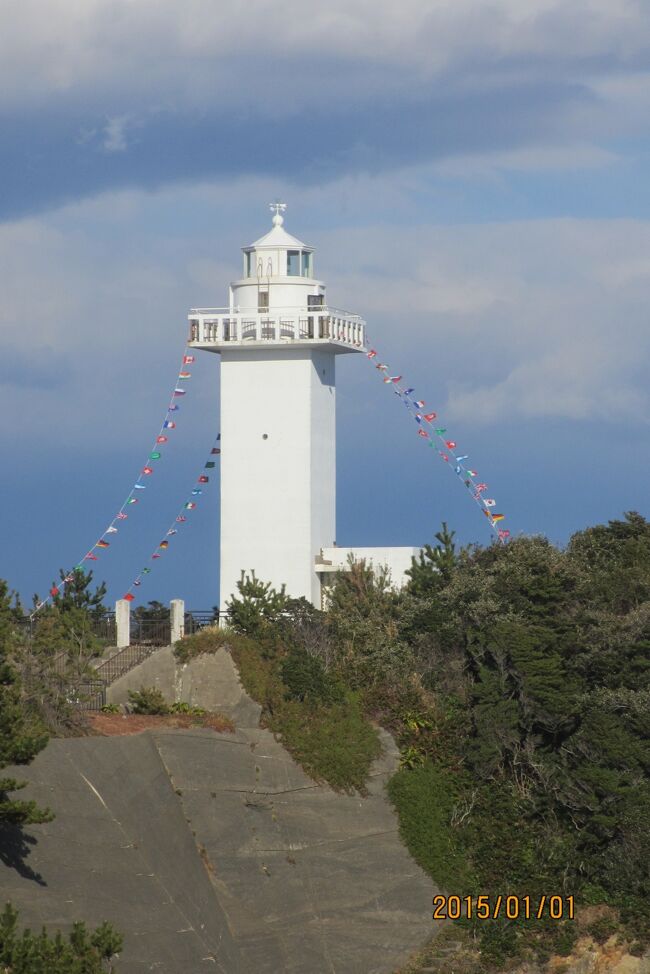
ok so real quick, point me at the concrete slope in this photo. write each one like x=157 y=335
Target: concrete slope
x=309 y=879
x=215 y=851
x=120 y=850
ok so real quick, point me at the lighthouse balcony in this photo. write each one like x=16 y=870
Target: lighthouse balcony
x=215 y=328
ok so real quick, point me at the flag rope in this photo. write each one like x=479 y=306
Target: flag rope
x=180 y=519
x=448 y=453
x=147 y=470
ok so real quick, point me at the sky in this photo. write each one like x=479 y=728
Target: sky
x=475 y=180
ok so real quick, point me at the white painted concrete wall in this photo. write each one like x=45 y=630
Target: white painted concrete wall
x=284 y=292
x=397 y=560
x=278 y=495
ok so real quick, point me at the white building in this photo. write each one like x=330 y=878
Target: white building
x=278 y=340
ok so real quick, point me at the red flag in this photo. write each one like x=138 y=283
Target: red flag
x=181 y=518
x=147 y=470
x=161 y=439
x=90 y=557
x=372 y=353
x=54 y=591
x=444 y=456
x=430 y=417
x=215 y=450
x=451 y=444
x=203 y=479
x=424 y=434
x=129 y=597
x=122 y=516
x=155 y=556
x=188 y=359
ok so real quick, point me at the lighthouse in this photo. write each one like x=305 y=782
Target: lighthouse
x=278 y=339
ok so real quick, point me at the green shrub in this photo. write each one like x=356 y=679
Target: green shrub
x=24 y=952
x=332 y=741
x=208 y=640
x=424 y=798
x=186 y=708
x=148 y=700
x=305 y=678
x=602 y=929
x=111 y=708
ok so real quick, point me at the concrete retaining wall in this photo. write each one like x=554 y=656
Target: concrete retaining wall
x=210 y=681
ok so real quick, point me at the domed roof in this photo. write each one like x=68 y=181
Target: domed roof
x=277 y=235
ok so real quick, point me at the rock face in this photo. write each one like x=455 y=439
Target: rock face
x=216 y=852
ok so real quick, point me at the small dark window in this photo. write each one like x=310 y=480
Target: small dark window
x=263 y=300
x=293 y=263
x=314 y=300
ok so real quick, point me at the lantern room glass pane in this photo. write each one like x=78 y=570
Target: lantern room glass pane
x=293 y=263
x=306 y=264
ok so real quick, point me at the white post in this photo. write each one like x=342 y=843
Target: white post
x=123 y=622
x=177 y=619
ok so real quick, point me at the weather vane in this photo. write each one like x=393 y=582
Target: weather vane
x=277 y=209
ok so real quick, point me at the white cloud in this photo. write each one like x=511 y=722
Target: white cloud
x=517 y=320
x=532 y=159
x=167 y=54
x=115 y=133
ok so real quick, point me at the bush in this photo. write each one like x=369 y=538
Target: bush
x=148 y=700
x=305 y=678
x=206 y=641
x=603 y=928
x=187 y=708
x=425 y=798
x=332 y=741
x=335 y=744
x=24 y=952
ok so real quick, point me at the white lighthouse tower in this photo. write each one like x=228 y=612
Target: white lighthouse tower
x=278 y=340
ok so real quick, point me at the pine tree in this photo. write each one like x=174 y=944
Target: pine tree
x=259 y=606
x=21 y=736
x=433 y=567
x=24 y=952
x=76 y=593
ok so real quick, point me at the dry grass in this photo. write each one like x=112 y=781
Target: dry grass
x=117 y=725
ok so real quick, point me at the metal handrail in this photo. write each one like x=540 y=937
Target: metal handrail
x=123 y=661
x=280 y=309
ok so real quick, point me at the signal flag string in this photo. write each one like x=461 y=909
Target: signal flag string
x=445 y=448
x=155 y=454
x=181 y=518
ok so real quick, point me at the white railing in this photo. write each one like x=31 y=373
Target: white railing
x=216 y=326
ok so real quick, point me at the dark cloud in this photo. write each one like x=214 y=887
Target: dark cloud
x=49 y=160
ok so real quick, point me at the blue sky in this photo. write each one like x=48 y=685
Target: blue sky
x=475 y=180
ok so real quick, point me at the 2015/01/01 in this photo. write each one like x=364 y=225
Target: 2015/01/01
x=507 y=907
